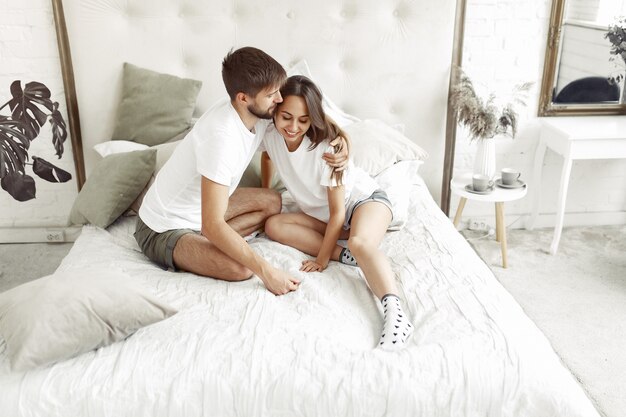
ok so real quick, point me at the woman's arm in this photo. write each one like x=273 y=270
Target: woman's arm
x=267 y=170
x=337 y=209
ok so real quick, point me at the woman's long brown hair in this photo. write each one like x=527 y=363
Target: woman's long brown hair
x=322 y=127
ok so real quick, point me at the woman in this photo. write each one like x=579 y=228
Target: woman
x=336 y=204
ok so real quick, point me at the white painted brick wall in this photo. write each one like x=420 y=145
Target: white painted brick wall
x=504 y=45
x=583 y=10
x=28 y=52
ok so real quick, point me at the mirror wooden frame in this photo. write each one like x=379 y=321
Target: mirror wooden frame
x=546 y=106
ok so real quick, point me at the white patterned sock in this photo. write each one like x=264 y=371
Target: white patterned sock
x=397 y=327
x=345 y=257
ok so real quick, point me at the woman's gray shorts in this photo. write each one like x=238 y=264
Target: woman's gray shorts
x=159 y=247
x=378 y=195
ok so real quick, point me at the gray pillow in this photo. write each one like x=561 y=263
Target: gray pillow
x=155 y=107
x=114 y=184
x=68 y=313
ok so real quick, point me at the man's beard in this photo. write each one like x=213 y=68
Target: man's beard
x=268 y=114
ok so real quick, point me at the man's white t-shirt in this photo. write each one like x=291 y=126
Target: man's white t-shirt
x=219 y=147
x=307 y=176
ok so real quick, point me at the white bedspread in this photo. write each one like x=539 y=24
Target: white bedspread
x=234 y=349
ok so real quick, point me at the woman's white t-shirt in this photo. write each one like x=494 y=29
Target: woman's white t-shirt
x=307 y=176
x=219 y=147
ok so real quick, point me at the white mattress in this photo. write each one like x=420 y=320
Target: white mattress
x=234 y=349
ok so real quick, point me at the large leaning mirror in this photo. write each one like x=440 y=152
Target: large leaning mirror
x=584 y=71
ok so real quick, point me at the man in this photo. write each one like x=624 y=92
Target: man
x=193 y=217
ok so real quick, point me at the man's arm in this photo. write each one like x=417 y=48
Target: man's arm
x=338 y=160
x=215 y=228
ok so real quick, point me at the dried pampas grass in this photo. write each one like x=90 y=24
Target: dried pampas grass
x=484 y=118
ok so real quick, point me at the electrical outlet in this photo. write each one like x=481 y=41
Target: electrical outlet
x=55 y=235
x=478 y=224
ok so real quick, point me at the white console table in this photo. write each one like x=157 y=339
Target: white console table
x=597 y=137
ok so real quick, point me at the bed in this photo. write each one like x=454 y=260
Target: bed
x=234 y=349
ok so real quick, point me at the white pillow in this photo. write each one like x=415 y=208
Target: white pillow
x=397 y=180
x=376 y=146
x=405 y=169
x=331 y=109
x=164 y=150
x=111 y=147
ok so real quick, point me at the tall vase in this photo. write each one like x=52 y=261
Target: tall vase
x=485 y=160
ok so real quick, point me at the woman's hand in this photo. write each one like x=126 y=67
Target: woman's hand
x=339 y=160
x=312 y=266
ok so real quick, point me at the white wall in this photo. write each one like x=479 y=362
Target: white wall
x=505 y=45
x=582 y=10
x=28 y=52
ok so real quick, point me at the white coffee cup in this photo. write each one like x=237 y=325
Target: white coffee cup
x=481 y=182
x=510 y=176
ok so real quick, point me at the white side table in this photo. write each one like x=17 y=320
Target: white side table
x=598 y=137
x=499 y=196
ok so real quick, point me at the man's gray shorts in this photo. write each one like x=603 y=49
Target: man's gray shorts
x=159 y=247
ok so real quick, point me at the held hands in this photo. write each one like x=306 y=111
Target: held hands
x=313 y=266
x=339 y=160
x=280 y=282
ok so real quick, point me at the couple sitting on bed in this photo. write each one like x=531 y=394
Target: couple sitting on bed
x=194 y=216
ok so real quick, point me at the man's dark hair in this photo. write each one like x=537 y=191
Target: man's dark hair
x=249 y=70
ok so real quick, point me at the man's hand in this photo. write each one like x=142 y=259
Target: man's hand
x=312 y=266
x=280 y=282
x=339 y=160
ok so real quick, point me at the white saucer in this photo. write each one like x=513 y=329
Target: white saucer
x=470 y=189
x=516 y=184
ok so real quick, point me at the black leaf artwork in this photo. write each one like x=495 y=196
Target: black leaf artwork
x=30 y=108
x=49 y=172
x=20 y=186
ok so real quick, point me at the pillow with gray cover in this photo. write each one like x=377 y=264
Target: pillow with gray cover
x=68 y=313
x=155 y=107
x=114 y=184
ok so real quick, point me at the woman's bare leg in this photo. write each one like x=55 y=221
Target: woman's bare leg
x=367 y=229
x=300 y=231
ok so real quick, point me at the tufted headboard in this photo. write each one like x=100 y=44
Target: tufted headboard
x=383 y=59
